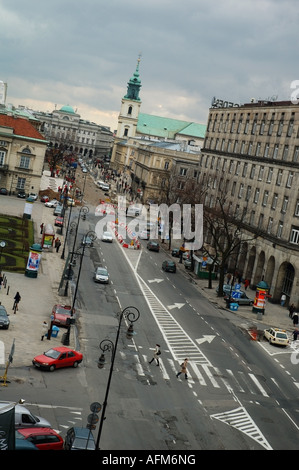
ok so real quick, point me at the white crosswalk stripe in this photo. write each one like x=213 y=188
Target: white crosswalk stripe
x=241 y=420
x=204 y=375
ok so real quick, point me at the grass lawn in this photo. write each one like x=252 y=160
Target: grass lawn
x=18 y=235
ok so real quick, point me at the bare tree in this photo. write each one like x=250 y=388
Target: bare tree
x=226 y=235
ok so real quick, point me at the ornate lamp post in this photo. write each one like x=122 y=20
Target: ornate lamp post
x=132 y=314
x=92 y=235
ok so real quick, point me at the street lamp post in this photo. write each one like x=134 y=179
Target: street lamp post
x=92 y=235
x=132 y=314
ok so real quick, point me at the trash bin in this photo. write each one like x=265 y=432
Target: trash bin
x=234 y=306
x=55 y=331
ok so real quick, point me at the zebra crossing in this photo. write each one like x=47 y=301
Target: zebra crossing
x=241 y=420
x=202 y=374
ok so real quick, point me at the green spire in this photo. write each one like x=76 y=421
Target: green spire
x=134 y=85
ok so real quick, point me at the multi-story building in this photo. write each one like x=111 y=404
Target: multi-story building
x=154 y=164
x=22 y=154
x=149 y=146
x=65 y=126
x=251 y=152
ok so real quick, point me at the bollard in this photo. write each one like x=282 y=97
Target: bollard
x=7 y=290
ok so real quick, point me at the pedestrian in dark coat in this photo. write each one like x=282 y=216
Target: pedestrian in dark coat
x=291 y=310
x=157 y=353
x=295 y=318
x=17 y=299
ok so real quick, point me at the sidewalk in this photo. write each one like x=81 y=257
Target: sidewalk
x=274 y=315
x=38 y=295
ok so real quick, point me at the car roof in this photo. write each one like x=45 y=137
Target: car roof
x=36 y=430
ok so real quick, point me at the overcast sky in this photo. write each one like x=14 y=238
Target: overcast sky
x=68 y=52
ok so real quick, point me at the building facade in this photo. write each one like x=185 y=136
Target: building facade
x=22 y=154
x=154 y=164
x=65 y=126
x=148 y=146
x=251 y=152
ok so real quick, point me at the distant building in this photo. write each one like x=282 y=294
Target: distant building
x=251 y=152
x=162 y=139
x=22 y=153
x=65 y=126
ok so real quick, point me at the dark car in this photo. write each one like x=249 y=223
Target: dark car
x=79 y=439
x=21 y=194
x=169 y=266
x=153 y=246
x=4 y=320
x=87 y=241
x=3 y=191
x=175 y=252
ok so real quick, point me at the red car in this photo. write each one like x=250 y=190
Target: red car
x=62 y=314
x=59 y=221
x=57 y=358
x=45 y=199
x=42 y=438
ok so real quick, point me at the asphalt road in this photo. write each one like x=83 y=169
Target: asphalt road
x=237 y=396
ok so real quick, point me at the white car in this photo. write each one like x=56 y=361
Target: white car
x=277 y=336
x=52 y=203
x=101 y=275
x=107 y=237
x=33 y=196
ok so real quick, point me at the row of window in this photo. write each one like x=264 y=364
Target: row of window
x=256 y=149
x=69 y=129
x=273 y=228
x=248 y=170
x=253 y=125
x=24 y=161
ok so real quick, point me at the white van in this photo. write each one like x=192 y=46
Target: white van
x=134 y=211
x=23 y=417
x=103 y=185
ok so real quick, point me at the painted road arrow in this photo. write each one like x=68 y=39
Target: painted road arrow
x=208 y=338
x=170 y=307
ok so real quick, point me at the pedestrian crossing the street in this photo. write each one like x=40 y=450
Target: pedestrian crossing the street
x=201 y=374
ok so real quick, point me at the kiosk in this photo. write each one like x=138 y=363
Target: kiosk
x=262 y=290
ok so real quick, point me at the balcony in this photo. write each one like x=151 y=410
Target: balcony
x=4 y=168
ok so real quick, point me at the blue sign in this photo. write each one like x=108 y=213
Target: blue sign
x=236 y=295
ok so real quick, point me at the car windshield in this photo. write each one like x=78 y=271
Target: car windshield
x=65 y=311
x=102 y=271
x=52 y=353
x=281 y=335
x=3 y=314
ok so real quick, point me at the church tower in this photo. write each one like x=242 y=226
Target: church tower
x=130 y=108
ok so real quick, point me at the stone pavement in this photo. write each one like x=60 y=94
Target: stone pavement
x=38 y=295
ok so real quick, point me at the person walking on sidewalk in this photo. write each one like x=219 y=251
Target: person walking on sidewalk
x=183 y=368
x=17 y=299
x=41 y=227
x=295 y=318
x=45 y=328
x=283 y=299
x=157 y=353
x=57 y=244
x=292 y=309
